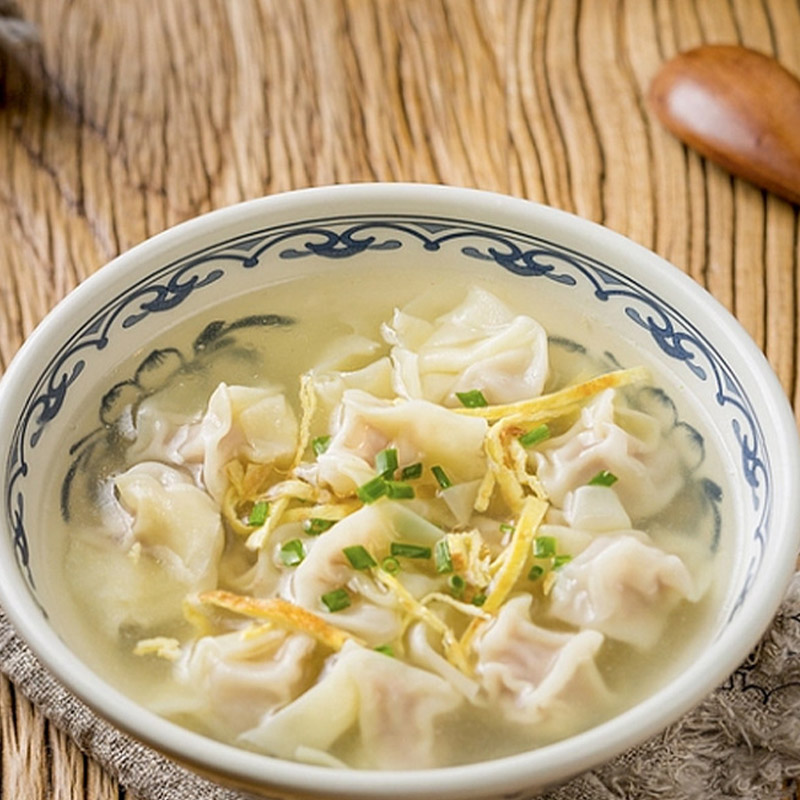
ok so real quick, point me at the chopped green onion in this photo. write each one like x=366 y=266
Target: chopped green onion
x=372 y=490
x=535 y=573
x=479 y=599
x=411 y=471
x=337 y=600
x=386 y=462
x=535 y=435
x=441 y=477
x=472 y=399
x=506 y=528
x=292 y=552
x=258 y=513
x=444 y=562
x=386 y=649
x=603 y=478
x=559 y=561
x=398 y=490
x=390 y=565
x=409 y=550
x=316 y=525
x=359 y=557
x=457 y=585
x=320 y=444
x=544 y=546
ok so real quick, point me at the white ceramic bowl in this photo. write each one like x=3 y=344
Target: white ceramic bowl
x=572 y=270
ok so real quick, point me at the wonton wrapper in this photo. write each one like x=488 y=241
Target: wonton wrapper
x=374 y=379
x=622 y=587
x=170 y=546
x=417 y=429
x=374 y=615
x=480 y=344
x=538 y=677
x=172 y=520
x=647 y=468
x=253 y=424
x=392 y=708
x=238 y=677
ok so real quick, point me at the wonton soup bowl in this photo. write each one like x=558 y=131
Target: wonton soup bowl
x=595 y=282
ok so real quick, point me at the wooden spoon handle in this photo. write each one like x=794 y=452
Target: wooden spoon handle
x=738 y=108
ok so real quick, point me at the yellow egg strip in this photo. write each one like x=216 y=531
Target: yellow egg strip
x=281 y=612
x=519 y=458
x=560 y=399
x=465 y=608
x=485 y=491
x=518 y=550
x=504 y=476
x=295 y=489
x=533 y=512
x=195 y=616
x=452 y=649
x=256 y=478
x=328 y=511
x=258 y=538
x=256 y=630
x=308 y=404
x=162 y=646
x=228 y=510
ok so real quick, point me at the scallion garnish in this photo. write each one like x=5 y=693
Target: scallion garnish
x=535 y=573
x=258 y=513
x=292 y=552
x=559 y=561
x=386 y=649
x=479 y=599
x=372 y=490
x=457 y=585
x=506 y=528
x=535 y=435
x=603 y=478
x=359 y=557
x=398 y=490
x=411 y=471
x=316 y=525
x=441 y=477
x=403 y=550
x=337 y=600
x=390 y=565
x=444 y=562
x=386 y=463
x=472 y=399
x=544 y=547
x=320 y=444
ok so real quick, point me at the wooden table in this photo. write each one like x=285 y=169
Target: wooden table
x=133 y=116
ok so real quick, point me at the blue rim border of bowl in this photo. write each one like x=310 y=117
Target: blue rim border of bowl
x=343 y=236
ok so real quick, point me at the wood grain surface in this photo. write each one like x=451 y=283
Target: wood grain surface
x=130 y=116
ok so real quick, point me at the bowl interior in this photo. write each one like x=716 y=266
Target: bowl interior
x=383 y=247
